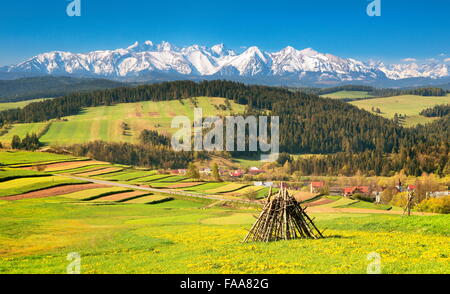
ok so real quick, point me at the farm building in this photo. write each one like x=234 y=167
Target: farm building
x=411 y=187
x=349 y=191
x=315 y=187
x=206 y=171
x=178 y=171
x=236 y=173
x=255 y=171
x=438 y=194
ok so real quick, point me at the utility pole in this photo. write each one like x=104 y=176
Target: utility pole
x=411 y=196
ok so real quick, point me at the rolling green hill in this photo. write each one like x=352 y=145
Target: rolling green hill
x=21 y=104
x=410 y=105
x=104 y=122
x=347 y=94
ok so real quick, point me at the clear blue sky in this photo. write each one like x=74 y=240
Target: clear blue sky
x=407 y=28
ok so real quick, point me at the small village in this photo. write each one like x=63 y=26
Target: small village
x=371 y=192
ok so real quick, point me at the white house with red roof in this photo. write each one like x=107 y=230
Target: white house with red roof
x=315 y=187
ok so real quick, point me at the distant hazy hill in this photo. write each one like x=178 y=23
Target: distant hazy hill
x=50 y=86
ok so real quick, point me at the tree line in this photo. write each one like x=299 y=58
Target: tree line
x=436 y=111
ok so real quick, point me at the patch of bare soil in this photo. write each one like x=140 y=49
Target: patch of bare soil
x=303 y=196
x=55 y=191
x=322 y=201
x=66 y=165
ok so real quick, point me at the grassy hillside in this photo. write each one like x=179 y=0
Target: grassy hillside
x=104 y=122
x=410 y=105
x=21 y=104
x=347 y=94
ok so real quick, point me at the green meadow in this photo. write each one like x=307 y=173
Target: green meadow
x=410 y=105
x=181 y=236
x=26 y=157
x=21 y=104
x=104 y=122
x=347 y=94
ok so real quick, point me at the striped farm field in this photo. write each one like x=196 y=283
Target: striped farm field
x=92 y=194
x=303 y=195
x=174 y=185
x=16 y=158
x=128 y=175
x=206 y=186
x=339 y=202
x=8 y=174
x=99 y=172
x=121 y=197
x=231 y=187
x=185 y=185
x=61 y=166
x=149 y=199
x=24 y=185
x=54 y=191
x=151 y=178
x=171 y=179
x=104 y=122
x=244 y=191
x=87 y=168
x=322 y=201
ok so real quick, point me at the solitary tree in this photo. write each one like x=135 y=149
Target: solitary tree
x=193 y=171
x=215 y=172
x=16 y=142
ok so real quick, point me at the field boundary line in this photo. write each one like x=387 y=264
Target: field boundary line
x=181 y=193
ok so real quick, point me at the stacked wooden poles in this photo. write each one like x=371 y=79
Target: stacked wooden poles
x=282 y=218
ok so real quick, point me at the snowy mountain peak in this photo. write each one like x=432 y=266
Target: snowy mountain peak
x=138 y=47
x=287 y=64
x=166 y=46
x=309 y=52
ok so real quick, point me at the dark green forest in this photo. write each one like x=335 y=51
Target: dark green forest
x=50 y=86
x=436 y=111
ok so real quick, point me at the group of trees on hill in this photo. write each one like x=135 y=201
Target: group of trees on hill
x=49 y=86
x=436 y=111
x=151 y=137
x=429 y=155
x=376 y=92
x=346 y=88
x=29 y=142
x=151 y=156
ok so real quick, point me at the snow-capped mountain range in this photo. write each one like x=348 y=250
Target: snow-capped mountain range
x=289 y=64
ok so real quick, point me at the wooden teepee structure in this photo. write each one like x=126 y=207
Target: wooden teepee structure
x=282 y=218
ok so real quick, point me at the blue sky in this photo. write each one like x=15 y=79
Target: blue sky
x=406 y=29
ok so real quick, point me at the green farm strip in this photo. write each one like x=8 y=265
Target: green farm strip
x=24 y=185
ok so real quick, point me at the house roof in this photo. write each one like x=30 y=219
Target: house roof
x=363 y=189
x=236 y=173
x=317 y=184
